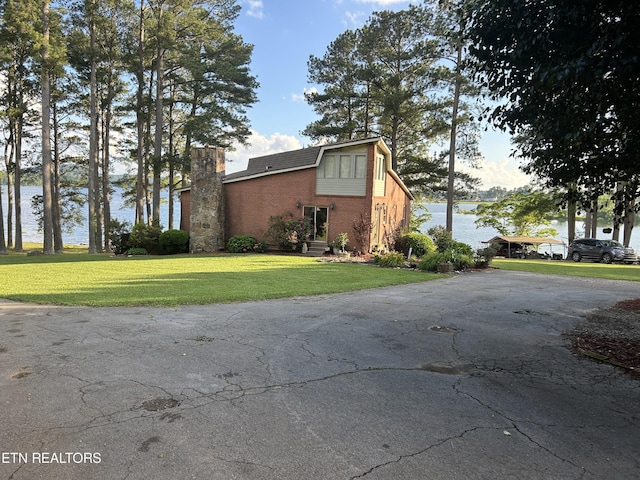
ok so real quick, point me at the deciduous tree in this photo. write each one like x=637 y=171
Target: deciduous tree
x=521 y=213
x=568 y=78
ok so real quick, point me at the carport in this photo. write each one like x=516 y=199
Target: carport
x=515 y=246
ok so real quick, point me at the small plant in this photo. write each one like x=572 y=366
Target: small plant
x=391 y=260
x=174 y=241
x=341 y=241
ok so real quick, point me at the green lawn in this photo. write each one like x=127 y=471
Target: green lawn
x=77 y=278
x=576 y=269
x=103 y=280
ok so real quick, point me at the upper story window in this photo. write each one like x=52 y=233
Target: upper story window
x=329 y=170
x=343 y=166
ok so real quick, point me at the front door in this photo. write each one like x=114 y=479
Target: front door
x=318 y=217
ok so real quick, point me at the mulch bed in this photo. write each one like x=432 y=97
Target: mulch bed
x=611 y=336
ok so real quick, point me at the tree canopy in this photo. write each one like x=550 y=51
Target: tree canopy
x=173 y=71
x=390 y=78
x=522 y=213
x=567 y=79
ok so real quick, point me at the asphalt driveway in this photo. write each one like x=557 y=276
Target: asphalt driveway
x=467 y=377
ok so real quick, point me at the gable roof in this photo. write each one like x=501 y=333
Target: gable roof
x=277 y=163
x=525 y=240
x=294 y=160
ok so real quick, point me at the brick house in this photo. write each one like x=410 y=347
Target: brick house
x=334 y=185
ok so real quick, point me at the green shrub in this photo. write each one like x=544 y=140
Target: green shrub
x=441 y=238
x=484 y=256
x=459 y=248
x=462 y=262
x=146 y=236
x=245 y=243
x=174 y=241
x=391 y=260
x=429 y=262
x=419 y=243
x=119 y=233
x=137 y=251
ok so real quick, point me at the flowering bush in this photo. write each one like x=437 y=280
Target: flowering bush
x=288 y=232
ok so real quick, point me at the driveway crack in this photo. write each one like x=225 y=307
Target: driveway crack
x=415 y=454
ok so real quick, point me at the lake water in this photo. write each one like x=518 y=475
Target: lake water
x=464 y=228
x=80 y=234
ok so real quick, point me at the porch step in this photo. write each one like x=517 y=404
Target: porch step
x=316 y=249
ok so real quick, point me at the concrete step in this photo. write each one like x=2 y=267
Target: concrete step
x=316 y=249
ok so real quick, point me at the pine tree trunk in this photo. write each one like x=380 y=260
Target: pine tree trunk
x=47 y=172
x=452 y=142
x=3 y=245
x=93 y=137
x=157 y=143
x=140 y=120
x=17 y=183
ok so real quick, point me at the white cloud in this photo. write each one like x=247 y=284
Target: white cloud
x=383 y=3
x=354 y=19
x=255 y=8
x=259 y=145
x=301 y=97
x=501 y=173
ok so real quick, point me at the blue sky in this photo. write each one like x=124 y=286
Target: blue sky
x=284 y=34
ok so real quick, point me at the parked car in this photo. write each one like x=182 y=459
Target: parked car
x=605 y=251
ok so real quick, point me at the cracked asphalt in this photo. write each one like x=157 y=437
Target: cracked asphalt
x=467 y=377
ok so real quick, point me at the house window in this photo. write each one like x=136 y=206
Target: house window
x=343 y=166
x=330 y=166
x=360 y=166
x=380 y=168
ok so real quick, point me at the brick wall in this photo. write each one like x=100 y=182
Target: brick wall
x=249 y=204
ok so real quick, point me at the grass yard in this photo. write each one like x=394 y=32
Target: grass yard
x=77 y=278
x=104 y=280
x=576 y=269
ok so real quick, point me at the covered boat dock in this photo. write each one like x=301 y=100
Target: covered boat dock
x=527 y=247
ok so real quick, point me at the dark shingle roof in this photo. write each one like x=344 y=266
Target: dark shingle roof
x=295 y=159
